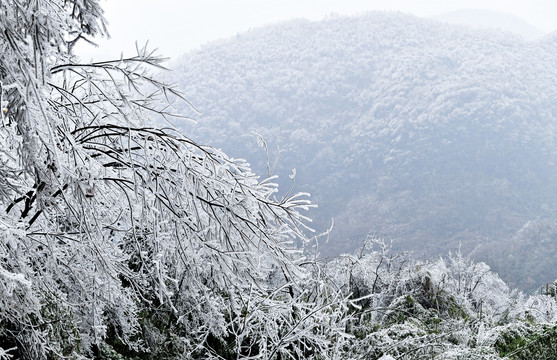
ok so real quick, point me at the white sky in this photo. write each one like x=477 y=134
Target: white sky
x=178 y=26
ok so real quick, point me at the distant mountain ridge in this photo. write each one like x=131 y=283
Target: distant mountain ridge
x=491 y=19
x=437 y=136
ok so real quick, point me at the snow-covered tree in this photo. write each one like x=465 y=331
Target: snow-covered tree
x=119 y=236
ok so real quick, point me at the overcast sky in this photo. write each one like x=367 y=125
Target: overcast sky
x=178 y=26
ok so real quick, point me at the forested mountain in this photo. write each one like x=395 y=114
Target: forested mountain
x=435 y=135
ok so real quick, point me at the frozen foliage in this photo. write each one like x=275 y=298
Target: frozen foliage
x=431 y=134
x=118 y=236
x=450 y=308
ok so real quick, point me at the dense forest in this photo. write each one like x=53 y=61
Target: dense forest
x=437 y=136
x=122 y=239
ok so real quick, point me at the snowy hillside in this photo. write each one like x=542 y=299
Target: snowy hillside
x=427 y=133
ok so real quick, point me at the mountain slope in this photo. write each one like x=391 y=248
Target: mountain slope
x=430 y=134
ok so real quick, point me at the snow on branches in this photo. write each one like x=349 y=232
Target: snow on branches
x=120 y=233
